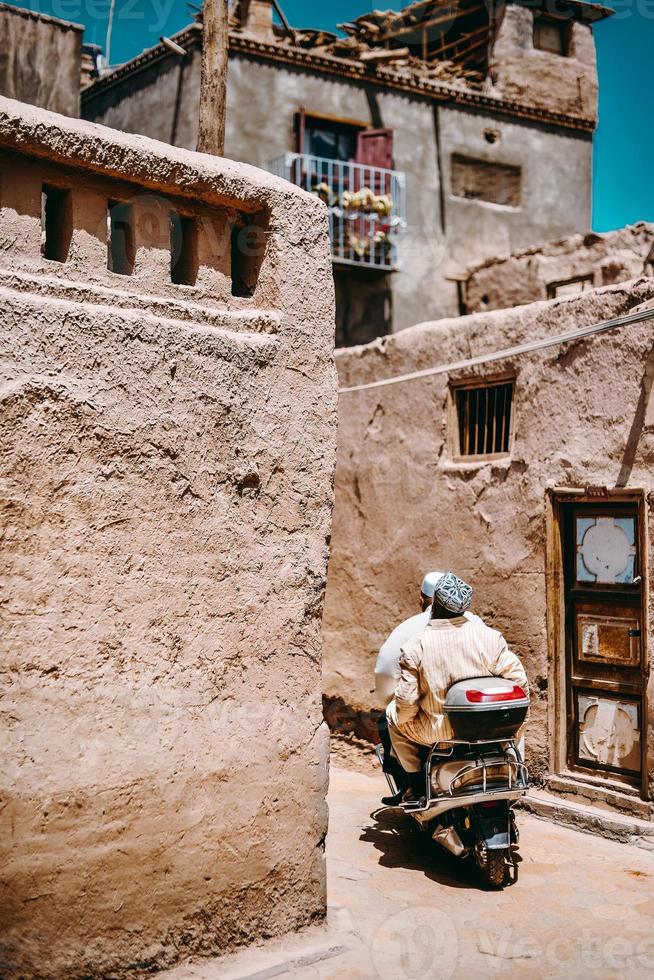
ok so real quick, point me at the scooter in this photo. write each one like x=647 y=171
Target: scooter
x=474 y=780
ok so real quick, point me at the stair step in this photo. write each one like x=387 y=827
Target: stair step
x=590 y=819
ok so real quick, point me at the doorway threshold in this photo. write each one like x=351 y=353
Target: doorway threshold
x=606 y=794
x=589 y=819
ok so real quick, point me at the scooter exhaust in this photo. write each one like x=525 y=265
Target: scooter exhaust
x=449 y=838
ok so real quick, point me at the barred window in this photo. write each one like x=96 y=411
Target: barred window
x=484 y=418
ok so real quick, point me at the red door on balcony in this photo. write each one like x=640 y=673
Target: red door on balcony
x=375 y=149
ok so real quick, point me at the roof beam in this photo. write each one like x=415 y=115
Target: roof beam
x=433 y=55
x=462 y=55
x=454 y=12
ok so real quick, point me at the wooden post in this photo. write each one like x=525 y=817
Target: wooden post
x=213 y=78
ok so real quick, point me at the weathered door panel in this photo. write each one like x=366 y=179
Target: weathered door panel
x=604 y=649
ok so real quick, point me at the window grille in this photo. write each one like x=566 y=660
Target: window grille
x=484 y=419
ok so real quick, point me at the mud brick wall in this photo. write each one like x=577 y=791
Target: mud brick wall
x=573 y=264
x=167 y=454
x=583 y=415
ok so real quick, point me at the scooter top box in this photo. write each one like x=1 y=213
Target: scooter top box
x=486 y=708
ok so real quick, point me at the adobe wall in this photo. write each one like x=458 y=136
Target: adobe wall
x=525 y=276
x=167 y=457
x=583 y=416
x=40 y=59
x=523 y=73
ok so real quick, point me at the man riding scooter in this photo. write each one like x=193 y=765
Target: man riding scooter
x=387 y=675
x=451 y=648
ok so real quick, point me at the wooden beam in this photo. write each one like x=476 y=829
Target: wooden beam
x=462 y=55
x=282 y=16
x=384 y=54
x=213 y=77
x=453 y=13
x=451 y=44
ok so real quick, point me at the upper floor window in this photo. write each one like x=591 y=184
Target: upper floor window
x=327 y=138
x=344 y=141
x=551 y=35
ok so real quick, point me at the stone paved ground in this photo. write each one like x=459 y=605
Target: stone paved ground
x=583 y=907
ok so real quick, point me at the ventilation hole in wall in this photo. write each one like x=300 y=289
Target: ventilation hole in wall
x=482 y=180
x=56 y=223
x=248 y=239
x=492 y=135
x=183 y=249
x=552 y=36
x=121 y=239
x=484 y=418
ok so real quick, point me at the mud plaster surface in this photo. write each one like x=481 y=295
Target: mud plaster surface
x=583 y=415
x=166 y=503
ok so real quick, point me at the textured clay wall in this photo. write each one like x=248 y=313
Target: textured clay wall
x=525 y=276
x=40 y=60
x=583 y=415
x=523 y=73
x=167 y=456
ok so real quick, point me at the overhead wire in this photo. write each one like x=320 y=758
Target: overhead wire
x=508 y=352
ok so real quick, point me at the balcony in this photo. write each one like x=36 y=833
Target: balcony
x=366 y=206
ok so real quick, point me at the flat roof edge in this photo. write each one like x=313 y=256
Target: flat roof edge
x=66 y=25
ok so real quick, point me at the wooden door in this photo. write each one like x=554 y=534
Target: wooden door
x=604 y=648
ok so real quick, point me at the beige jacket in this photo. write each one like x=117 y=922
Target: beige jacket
x=448 y=650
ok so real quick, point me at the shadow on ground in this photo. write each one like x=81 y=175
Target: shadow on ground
x=402 y=845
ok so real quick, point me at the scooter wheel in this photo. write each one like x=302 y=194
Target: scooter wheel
x=494 y=870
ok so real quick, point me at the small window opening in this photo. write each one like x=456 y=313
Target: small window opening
x=569 y=287
x=485 y=180
x=248 y=244
x=551 y=35
x=56 y=223
x=183 y=249
x=484 y=419
x=121 y=240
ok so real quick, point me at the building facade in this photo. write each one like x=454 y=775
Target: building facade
x=437 y=139
x=168 y=430
x=40 y=59
x=529 y=473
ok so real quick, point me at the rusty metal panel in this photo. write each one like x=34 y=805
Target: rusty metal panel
x=608 y=732
x=608 y=636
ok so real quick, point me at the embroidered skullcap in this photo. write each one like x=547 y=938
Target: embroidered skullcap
x=453 y=593
x=429 y=583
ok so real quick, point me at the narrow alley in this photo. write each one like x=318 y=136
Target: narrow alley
x=399 y=908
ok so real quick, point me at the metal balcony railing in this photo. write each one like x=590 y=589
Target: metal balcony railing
x=366 y=206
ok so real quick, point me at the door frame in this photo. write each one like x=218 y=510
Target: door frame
x=557 y=704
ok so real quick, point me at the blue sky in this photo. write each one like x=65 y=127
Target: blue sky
x=624 y=143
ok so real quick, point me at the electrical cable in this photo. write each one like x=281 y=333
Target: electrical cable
x=500 y=355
